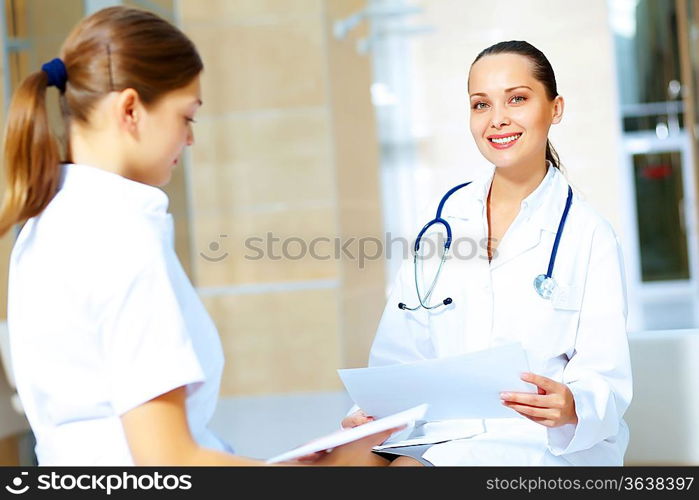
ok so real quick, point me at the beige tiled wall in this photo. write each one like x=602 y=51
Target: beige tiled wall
x=247 y=11
x=285 y=144
x=358 y=191
x=257 y=64
x=9 y=449
x=5 y=241
x=278 y=342
x=46 y=34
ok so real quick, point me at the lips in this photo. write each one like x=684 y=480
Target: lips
x=504 y=141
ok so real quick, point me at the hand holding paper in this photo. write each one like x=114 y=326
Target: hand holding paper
x=457 y=387
x=374 y=428
x=554 y=406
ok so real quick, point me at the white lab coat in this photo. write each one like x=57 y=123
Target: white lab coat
x=579 y=339
x=102 y=318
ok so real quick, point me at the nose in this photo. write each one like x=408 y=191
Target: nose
x=499 y=117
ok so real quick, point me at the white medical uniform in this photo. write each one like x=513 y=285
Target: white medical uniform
x=579 y=338
x=102 y=318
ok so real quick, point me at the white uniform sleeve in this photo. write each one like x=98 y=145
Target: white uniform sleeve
x=146 y=344
x=599 y=372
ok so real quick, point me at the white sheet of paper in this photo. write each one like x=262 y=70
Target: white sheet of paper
x=345 y=436
x=455 y=387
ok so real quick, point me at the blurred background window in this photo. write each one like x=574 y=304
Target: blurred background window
x=657 y=161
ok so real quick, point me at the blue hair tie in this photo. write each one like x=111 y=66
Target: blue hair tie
x=56 y=71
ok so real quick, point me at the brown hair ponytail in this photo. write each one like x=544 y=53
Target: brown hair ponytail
x=30 y=154
x=112 y=50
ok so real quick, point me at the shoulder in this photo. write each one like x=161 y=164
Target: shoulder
x=592 y=224
x=91 y=222
x=462 y=198
x=94 y=202
x=94 y=240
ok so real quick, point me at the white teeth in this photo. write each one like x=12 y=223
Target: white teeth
x=505 y=140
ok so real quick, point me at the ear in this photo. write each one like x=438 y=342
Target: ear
x=129 y=110
x=558 y=105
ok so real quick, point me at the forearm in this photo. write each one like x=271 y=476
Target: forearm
x=192 y=455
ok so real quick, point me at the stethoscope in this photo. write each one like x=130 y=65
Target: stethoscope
x=544 y=284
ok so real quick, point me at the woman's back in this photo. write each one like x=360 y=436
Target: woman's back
x=102 y=318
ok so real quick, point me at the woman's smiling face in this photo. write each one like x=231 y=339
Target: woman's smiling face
x=511 y=112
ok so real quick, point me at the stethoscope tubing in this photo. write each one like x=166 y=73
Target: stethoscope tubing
x=439 y=220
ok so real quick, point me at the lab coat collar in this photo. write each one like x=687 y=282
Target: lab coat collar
x=541 y=211
x=546 y=196
x=113 y=188
x=544 y=207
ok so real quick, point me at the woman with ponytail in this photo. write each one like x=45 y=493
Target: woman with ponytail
x=570 y=321
x=116 y=360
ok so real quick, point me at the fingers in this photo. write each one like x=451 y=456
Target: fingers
x=544 y=383
x=530 y=411
x=544 y=416
x=541 y=401
x=355 y=419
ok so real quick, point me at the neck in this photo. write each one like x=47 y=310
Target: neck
x=511 y=185
x=96 y=149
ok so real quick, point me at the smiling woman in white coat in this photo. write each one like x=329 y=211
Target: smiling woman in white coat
x=571 y=322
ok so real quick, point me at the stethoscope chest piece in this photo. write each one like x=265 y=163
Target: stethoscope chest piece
x=544 y=286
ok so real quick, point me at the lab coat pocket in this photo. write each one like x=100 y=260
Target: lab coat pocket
x=554 y=325
x=567 y=298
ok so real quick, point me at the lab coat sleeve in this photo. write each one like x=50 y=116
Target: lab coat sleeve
x=599 y=371
x=146 y=345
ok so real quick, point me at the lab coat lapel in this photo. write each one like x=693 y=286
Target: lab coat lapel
x=545 y=216
x=526 y=235
x=524 y=238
